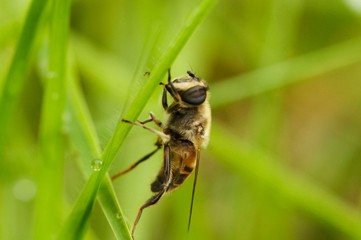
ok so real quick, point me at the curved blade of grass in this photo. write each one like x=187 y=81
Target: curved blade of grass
x=77 y=221
x=15 y=78
x=84 y=135
x=285 y=73
x=83 y=131
x=278 y=42
x=49 y=203
x=300 y=192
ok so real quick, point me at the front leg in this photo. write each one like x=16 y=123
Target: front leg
x=169 y=87
x=152 y=118
x=164 y=99
x=165 y=137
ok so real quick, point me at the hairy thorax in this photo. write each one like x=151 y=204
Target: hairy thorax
x=189 y=123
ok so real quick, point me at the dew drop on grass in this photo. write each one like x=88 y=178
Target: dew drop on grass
x=66 y=121
x=51 y=74
x=118 y=215
x=96 y=165
x=24 y=189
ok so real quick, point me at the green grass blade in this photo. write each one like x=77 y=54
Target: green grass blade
x=86 y=139
x=277 y=44
x=286 y=73
x=114 y=214
x=298 y=191
x=77 y=221
x=49 y=203
x=83 y=135
x=16 y=75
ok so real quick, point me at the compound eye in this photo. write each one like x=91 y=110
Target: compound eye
x=195 y=95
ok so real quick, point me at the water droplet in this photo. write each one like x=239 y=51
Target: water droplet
x=118 y=215
x=24 y=189
x=96 y=164
x=66 y=117
x=51 y=74
x=66 y=121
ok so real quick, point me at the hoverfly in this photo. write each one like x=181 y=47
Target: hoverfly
x=183 y=134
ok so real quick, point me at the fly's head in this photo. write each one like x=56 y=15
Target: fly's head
x=189 y=90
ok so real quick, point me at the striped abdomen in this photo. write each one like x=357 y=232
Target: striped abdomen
x=183 y=159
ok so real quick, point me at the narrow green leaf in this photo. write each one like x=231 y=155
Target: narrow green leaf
x=49 y=203
x=77 y=221
x=114 y=214
x=86 y=140
x=286 y=73
x=16 y=75
x=84 y=136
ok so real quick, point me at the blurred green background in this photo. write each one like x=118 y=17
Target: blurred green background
x=284 y=156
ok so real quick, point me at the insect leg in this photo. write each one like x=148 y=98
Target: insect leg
x=162 y=135
x=169 y=76
x=193 y=191
x=172 y=91
x=151 y=201
x=131 y=167
x=164 y=99
x=154 y=199
x=152 y=118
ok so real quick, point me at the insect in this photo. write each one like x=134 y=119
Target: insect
x=184 y=133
